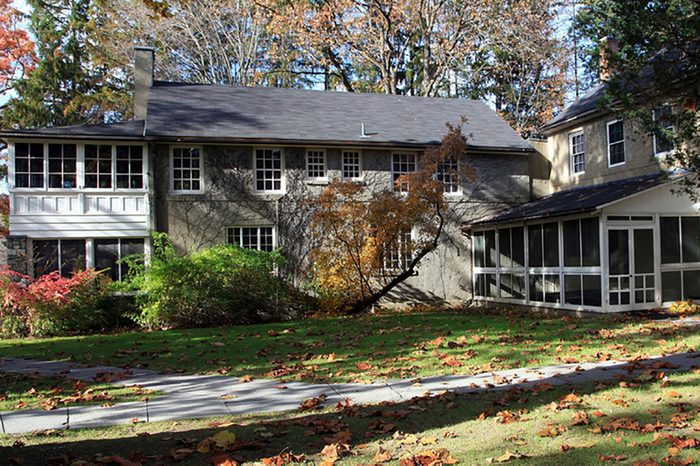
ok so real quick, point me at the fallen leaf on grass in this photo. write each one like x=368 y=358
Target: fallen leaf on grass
x=223 y=460
x=612 y=457
x=382 y=456
x=506 y=457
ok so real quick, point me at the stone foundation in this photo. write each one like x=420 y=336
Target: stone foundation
x=17 y=253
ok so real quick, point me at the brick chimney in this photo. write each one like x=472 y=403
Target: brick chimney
x=144 y=58
x=607 y=46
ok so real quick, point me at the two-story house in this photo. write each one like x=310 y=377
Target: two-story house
x=606 y=231
x=211 y=164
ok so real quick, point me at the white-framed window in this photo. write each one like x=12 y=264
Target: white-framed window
x=63 y=166
x=663 y=141
x=129 y=167
x=448 y=174
x=268 y=166
x=186 y=171
x=109 y=255
x=351 y=168
x=98 y=166
x=261 y=238
x=66 y=256
x=399 y=253
x=316 y=164
x=577 y=152
x=616 y=143
x=29 y=165
x=402 y=164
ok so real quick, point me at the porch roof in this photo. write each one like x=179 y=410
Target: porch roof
x=573 y=201
x=120 y=130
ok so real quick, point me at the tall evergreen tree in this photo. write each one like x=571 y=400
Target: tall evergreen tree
x=67 y=86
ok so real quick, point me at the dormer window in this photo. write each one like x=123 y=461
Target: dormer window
x=616 y=143
x=577 y=152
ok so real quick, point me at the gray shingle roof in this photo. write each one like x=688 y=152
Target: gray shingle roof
x=267 y=114
x=587 y=104
x=576 y=200
x=127 y=129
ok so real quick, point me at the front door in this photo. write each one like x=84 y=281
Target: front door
x=630 y=267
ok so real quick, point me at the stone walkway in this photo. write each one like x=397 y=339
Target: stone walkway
x=196 y=396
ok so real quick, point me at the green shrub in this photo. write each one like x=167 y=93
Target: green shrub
x=222 y=285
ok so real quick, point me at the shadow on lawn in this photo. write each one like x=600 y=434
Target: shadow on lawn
x=308 y=433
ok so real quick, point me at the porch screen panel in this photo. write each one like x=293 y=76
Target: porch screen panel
x=45 y=256
x=107 y=257
x=518 y=245
x=479 y=249
x=573 y=291
x=691 y=284
x=690 y=228
x=572 y=244
x=619 y=252
x=490 y=240
x=535 y=245
x=670 y=240
x=551 y=244
x=72 y=256
x=590 y=242
x=671 y=286
x=592 y=292
x=506 y=256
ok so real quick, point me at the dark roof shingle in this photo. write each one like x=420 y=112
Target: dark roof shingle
x=575 y=200
x=126 y=129
x=222 y=112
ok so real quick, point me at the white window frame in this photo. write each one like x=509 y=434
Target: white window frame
x=11 y=172
x=112 y=167
x=129 y=174
x=80 y=169
x=200 y=149
x=343 y=165
x=453 y=182
x=658 y=154
x=573 y=155
x=322 y=152
x=624 y=143
x=401 y=258
x=283 y=177
x=62 y=173
x=59 y=255
x=396 y=174
x=259 y=236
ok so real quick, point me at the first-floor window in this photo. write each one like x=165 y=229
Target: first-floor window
x=351 y=165
x=29 y=165
x=65 y=256
x=398 y=254
x=315 y=164
x=448 y=174
x=110 y=255
x=63 y=162
x=402 y=165
x=260 y=238
x=268 y=170
x=187 y=170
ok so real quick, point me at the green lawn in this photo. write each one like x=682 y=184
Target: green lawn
x=650 y=419
x=371 y=347
x=23 y=391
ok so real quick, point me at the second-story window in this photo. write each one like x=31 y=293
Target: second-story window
x=129 y=167
x=63 y=162
x=268 y=170
x=448 y=174
x=98 y=166
x=577 y=152
x=351 y=165
x=663 y=140
x=187 y=169
x=315 y=164
x=402 y=164
x=616 y=143
x=29 y=165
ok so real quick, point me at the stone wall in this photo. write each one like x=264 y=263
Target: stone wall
x=17 y=254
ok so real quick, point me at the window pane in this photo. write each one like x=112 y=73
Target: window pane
x=491 y=288
x=72 y=256
x=572 y=289
x=536 y=288
x=690 y=228
x=490 y=237
x=619 y=252
x=592 y=294
x=670 y=240
x=551 y=244
x=130 y=247
x=551 y=289
x=479 y=249
x=518 y=245
x=506 y=286
x=671 y=286
x=591 y=242
x=691 y=284
x=45 y=256
x=572 y=244
x=107 y=257
x=644 y=251
x=504 y=247
x=535 y=245
x=480 y=285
